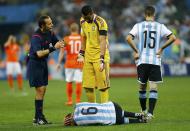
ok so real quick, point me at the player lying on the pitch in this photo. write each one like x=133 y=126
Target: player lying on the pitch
x=109 y=113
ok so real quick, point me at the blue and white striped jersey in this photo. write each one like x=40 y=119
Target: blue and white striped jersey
x=149 y=35
x=95 y=113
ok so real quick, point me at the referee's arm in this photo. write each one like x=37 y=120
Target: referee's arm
x=58 y=45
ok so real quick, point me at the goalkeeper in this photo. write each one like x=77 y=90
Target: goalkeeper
x=95 y=55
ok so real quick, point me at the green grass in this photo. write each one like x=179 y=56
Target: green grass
x=171 y=114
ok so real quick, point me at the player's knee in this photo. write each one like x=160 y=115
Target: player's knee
x=153 y=86
x=142 y=87
x=103 y=90
x=88 y=90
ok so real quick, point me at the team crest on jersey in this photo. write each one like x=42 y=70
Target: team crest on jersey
x=93 y=28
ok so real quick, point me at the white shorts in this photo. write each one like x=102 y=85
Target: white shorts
x=12 y=68
x=73 y=75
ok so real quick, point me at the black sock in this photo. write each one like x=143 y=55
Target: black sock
x=132 y=115
x=152 y=100
x=129 y=114
x=134 y=121
x=142 y=100
x=38 y=108
x=152 y=103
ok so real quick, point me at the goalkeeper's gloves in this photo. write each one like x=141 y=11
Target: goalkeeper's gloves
x=102 y=63
x=80 y=57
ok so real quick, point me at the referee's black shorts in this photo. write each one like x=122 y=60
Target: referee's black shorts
x=37 y=73
x=149 y=72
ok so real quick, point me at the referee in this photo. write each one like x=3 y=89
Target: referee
x=43 y=42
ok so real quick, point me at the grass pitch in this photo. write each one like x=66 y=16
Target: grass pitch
x=171 y=113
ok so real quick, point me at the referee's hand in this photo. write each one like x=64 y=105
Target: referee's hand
x=60 y=44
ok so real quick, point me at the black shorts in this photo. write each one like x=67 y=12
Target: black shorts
x=149 y=72
x=37 y=73
x=119 y=114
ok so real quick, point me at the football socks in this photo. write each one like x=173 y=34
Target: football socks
x=153 y=96
x=142 y=100
x=104 y=96
x=91 y=96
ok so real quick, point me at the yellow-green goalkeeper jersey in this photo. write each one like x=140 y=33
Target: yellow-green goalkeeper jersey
x=91 y=32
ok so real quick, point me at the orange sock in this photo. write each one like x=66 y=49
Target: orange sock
x=10 y=81
x=69 y=91
x=78 y=91
x=19 y=80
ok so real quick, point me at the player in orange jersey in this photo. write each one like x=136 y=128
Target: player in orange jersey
x=73 y=70
x=12 y=62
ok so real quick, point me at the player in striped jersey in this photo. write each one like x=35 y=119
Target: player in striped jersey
x=148 y=55
x=108 y=113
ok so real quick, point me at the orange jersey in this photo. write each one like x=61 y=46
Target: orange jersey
x=73 y=46
x=12 y=52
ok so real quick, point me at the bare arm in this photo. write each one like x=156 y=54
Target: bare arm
x=61 y=55
x=83 y=45
x=60 y=58
x=80 y=57
x=103 y=44
x=42 y=53
x=130 y=41
x=58 y=45
x=171 y=39
x=8 y=42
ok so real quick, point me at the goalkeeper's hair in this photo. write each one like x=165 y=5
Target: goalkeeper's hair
x=86 y=10
x=41 y=20
x=149 y=11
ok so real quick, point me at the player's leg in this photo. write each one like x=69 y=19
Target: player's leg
x=102 y=80
x=132 y=114
x=88 y=81
x=133 y=120
x=125 y=117
x=69 y=90
x=142 y=96
x=69 y=74
x=19 y=75
x=91 y=95
x=154 y=78
x=78 y=80
x=153 y=96
x=132 y=117
x=143 y=71
x=104 y=95
x=78 y=91
x=9 y=72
